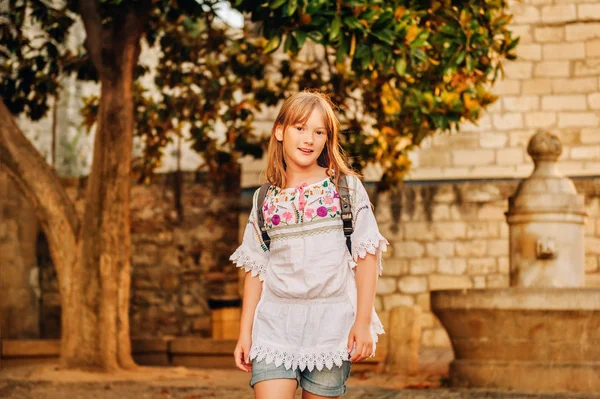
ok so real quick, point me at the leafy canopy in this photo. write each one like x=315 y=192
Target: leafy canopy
x=399 y=70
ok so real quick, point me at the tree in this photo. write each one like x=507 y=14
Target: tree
x=401 y=69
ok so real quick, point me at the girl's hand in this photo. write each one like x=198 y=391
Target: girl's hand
x=242 y=353
x=361 y=334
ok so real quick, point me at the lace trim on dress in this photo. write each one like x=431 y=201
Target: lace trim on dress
x=375 y=244
x=310 y=360
x=248 y=263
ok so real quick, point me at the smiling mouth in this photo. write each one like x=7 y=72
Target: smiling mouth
x=306 y=151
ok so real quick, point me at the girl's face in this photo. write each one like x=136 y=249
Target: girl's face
x=303 y=143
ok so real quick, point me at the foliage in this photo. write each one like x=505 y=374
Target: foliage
x=400 y=70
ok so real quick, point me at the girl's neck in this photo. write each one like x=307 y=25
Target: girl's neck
x=298 y=177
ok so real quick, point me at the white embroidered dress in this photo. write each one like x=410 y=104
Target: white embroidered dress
x=309 y=296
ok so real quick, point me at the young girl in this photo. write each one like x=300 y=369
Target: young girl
x=308 y=304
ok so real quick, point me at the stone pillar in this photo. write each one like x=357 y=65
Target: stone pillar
x=546 y=223
x=404 y=336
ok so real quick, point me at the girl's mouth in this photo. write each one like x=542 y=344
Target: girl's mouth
x=306 y=151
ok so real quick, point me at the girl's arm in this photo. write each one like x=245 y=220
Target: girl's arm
x=366 y=285
x=252 y=293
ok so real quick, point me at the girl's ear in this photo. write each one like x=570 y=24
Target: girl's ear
x=279 y=133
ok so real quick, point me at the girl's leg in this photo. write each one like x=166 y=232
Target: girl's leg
x=308 y=395
x=279 y=388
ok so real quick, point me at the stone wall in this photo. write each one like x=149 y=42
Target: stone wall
x=554 y=85
x=178 y=262
x=455 y=235
x=19 y=283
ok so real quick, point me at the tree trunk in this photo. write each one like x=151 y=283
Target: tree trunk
x=99 y=301
x=92 y=262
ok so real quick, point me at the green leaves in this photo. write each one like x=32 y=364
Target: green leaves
x=272 y=44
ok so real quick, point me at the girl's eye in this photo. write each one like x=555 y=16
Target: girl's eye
x=320 y=132
x=299 y=127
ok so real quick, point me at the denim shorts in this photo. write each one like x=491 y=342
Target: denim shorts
x=324 y=383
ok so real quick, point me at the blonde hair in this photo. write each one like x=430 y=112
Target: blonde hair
x=297 y=109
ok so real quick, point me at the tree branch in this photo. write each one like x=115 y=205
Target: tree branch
x=39 y=183
x=90 y=14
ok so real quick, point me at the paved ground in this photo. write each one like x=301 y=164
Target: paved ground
x=181 y=383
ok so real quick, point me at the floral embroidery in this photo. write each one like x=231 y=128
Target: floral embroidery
x=322 y=211
x=276 y=219
x=309 y=213
x=287 y=216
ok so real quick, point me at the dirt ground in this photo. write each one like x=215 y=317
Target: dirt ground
x=47 y=382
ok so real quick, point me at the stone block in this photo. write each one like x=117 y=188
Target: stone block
x=435 y=338
x=440 y=212
x=518 y=69
x=588 y=11
x=479 y=282
x=540 y=120
x=419 y=231
x=481 y=266
x=520 y=138
x=395 y=267
x=537 y=86
x=386 y=285
x=582 y=31
x=507 y=121
x=585 y=152
x=427 y=320
x=424 y=301
x=497 y=281
x=529 y=52
x=440 y=249
x=403 y=340
x=473 y=157
x=503 y=265
x=588 y=67
x=422 y=266
x=594 y=101
x=509 y=156
x=449 y=230
x=521 y=103
x=444 y=282
x=590 y=136
x=578 y=119
x=395 y=300
x=408 y=249
x=548 y=34
x=493 y=140
x=507 y=87
x=574 y=85
x=492 y=211
x=564 y=51
x=592 y=280
x=483 y=229
x=559 y=13
x=575 y=102
x=592 y=48
x=473 y=248
x=452 y=266
x=525 y=13
x=591 y=263
x=549 y=69
x=524 y=32
x=498 y=247
x=412 y=284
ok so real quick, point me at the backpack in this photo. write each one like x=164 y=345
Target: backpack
x=344 y=200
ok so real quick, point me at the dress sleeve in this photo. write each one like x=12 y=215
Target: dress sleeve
x=252 y=254
x=366 y=237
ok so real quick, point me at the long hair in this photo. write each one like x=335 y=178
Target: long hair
x=297 y=109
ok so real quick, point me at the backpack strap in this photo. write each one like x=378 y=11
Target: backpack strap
x=346 y=211
x=262 y=193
